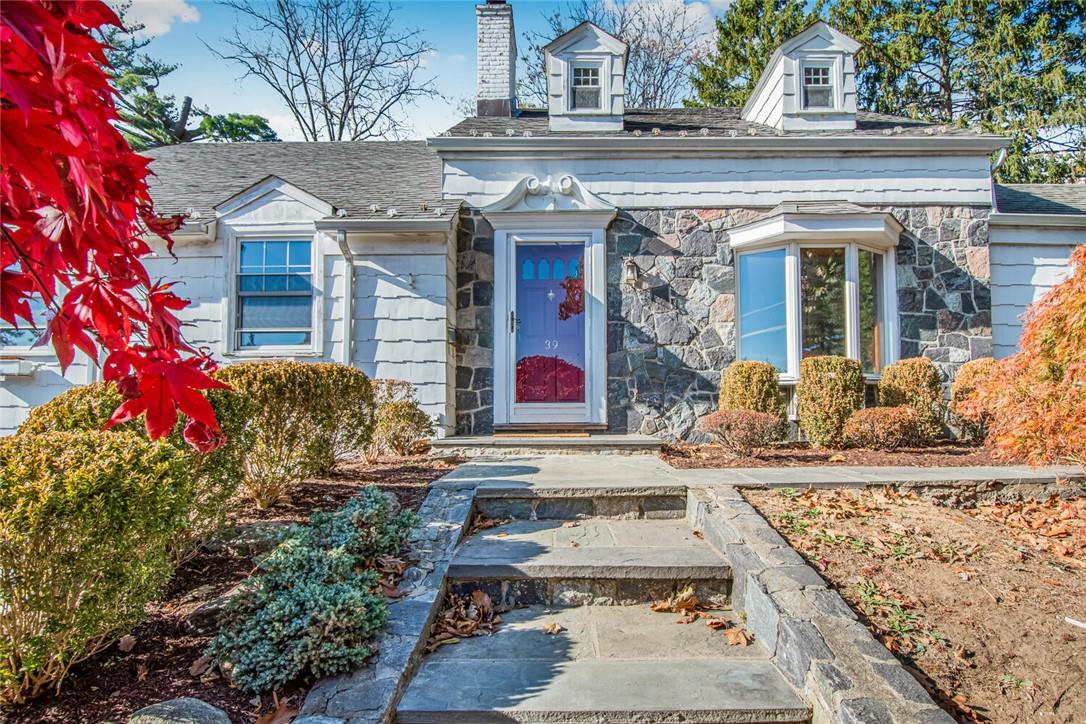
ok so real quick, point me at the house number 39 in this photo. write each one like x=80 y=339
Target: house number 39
x=550 y=344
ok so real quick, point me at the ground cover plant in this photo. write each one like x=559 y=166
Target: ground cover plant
x=166 y=659
x=973 y=601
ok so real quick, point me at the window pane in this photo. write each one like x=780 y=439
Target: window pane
x=275 y=256
x=252 y=256
x=273 y=312
x=299 y=256
x=272 y=339
x=822 y=295
x=762 y=319
x=870 y=310
x=586 y=97
x=817 y=97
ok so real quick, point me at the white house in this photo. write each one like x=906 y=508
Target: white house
x=592 y=266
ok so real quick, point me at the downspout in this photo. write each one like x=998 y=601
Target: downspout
x=348 y=302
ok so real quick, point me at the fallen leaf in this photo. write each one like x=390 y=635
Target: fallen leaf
x=570 y=524
x=127 y=643
x=141 y=672
x=737 y=637
x=200 y=665
x=553 y=628
x=718 y=624
x=281 y=714
x=838 y=458
x=574 y=544
x=500 y=535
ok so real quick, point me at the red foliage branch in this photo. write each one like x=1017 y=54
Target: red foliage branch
x=74 y=213
x=1036 y=399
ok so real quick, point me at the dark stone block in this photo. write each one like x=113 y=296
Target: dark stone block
x=924 y=254
x=910 y=300
x=484 y=379
x=933 y=301
x=463 y=378
x=627 y=244
x=957 y=280
x=864 y=711
x=920 y=327
x=464 y=279
x=463 y=298
x=467 y=400
x=482 y=294
x=798 y=644
x=699 y=242
x=982 y=297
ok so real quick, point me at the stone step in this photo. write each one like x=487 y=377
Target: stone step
x=613 y=664
x=570 y=502
x=588 y=562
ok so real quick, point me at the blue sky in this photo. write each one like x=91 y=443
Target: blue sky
x=181 y=27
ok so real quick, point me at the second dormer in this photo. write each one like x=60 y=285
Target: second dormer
x=586 y=70
x=809 y=83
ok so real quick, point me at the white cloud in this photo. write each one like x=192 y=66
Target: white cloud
x=284 y=126
x=158 y=16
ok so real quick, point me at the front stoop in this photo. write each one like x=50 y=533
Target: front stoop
x=504 y=445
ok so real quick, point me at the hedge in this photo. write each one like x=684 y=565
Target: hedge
x=915 y=382
x=752 y=385
x=85 y=522
x=830 y=389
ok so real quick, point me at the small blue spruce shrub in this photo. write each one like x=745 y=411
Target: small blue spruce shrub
x=314 y=608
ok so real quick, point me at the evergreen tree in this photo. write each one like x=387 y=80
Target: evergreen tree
x=150 y=119
x=1016 y=67
x=746 y=35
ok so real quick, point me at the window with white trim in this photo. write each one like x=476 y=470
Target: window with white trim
x=274 y=294
x=817 y=86
x=805 y=300
x=585 y=89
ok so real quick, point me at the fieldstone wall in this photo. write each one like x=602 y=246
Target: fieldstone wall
x=474 y=325
x=668 y=343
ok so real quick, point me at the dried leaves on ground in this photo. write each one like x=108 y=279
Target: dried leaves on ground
x=481 y=522
x=687 y=455
x=685 y=603
x=463 y=617
x=974 y=602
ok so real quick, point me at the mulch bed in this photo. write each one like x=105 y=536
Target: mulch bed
x=112 y=685
x=973 y=601
x=683 y=455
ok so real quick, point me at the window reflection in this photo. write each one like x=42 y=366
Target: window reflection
x=762 y=308
x=822 y=294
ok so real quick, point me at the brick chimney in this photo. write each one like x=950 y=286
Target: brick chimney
x=496 y=60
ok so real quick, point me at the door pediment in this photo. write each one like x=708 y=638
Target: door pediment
x=551 y=198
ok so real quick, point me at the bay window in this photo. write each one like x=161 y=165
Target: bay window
x=274 y=294
x=804 y=299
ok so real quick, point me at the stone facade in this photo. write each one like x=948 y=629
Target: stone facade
x=474 y=325
x=668 y=343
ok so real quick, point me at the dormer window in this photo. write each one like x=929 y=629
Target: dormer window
x=817 y=87
x=585 y=91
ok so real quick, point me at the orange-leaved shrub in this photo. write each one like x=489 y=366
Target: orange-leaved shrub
x=751 y=385
x=401 y=422
x=971 y=419
x=742 y=433
x=915 y=382
x=1037 y=397
x=882 y=428
x=830 y=389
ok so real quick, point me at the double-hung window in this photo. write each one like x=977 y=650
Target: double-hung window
x=804 y=300
x=274 y=294
x=817 y=87
x=586 y=90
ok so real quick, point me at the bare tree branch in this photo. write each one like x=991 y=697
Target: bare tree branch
x=665 y=38
x=343 y=69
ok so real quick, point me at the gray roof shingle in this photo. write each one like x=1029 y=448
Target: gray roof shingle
x=691 y=121
x=1069 y=199
x=349 y=175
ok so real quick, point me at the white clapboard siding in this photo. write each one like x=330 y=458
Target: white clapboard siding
x=1025 y=263
x=19 y=394
x=755 y=181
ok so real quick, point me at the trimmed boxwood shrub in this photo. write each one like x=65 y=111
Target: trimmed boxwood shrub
x=915 y=382
x=882 y=428
x=830 y=389
x=752 y=386
x=304 y=416
x=314 y=607
x=85 y=519
x=969 y=413
x=743 y=433
x=215 y=476
x=401 y=423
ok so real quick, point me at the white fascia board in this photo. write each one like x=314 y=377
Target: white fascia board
x=387 y=225
x=268 y=185
x=880 y=230
x=678 y=146
x=550 y=220
x=1072 y=221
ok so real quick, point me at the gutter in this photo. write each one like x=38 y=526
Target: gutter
x=891 y=144
x=348 y=301
x=1065 y=221
x=391 y=224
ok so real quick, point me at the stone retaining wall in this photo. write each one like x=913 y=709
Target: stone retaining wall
x=668 y=344
x=812 y=634
x=370 y=695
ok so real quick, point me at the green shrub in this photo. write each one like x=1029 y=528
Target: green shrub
x=882 y=428
x=968 y=412
x=304 y=415
x=743 y=433
x=346 y=428
x=830 y=389
x=314 y=607
x=915 y=382
x=752 y=386
x=85 y=520
x=215 y=476
x=401 y=423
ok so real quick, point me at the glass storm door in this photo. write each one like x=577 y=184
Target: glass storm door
x=549 y=322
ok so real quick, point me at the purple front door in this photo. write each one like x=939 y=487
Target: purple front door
x=550 y=323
